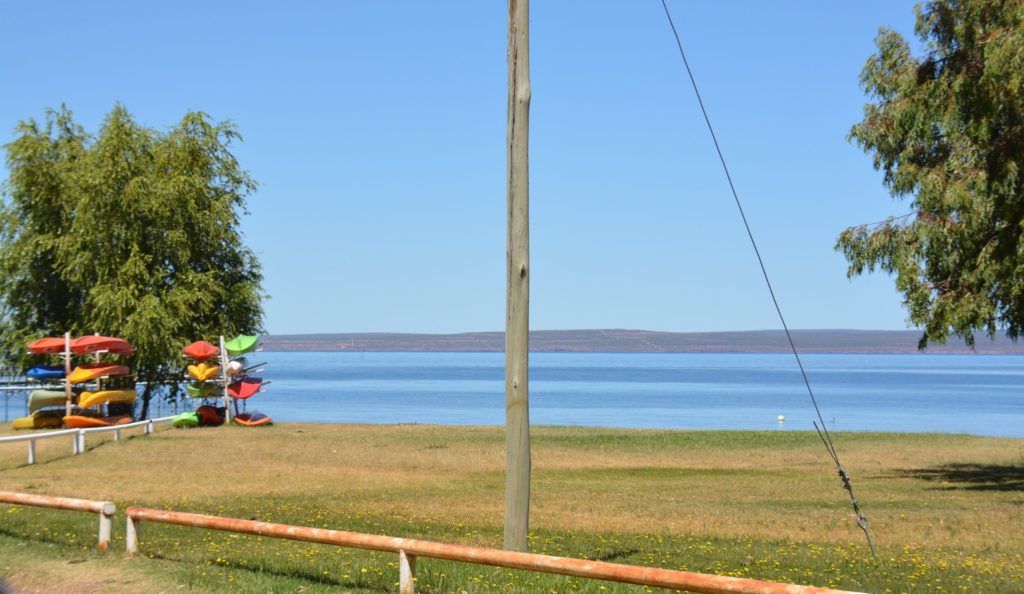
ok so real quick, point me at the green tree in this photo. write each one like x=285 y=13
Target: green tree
x=947 y=130
x=133 y=233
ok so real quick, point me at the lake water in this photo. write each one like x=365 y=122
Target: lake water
x=977 y=394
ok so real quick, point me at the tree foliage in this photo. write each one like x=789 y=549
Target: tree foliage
x=947 y=130
x=131 y=233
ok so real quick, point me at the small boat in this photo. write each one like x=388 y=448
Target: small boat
x=86 y=422
x=90 y=399
x=241 y=344
x=210 y=416
x=245 y=387
x=87 y=373
x=202 y=390
x=200 y=350
x=185 y=420
x=204 y=371
x=45 y=372
x=100 y=344
x=43 y=419
x=42 y=398
x=47 y=346
x=252 y=419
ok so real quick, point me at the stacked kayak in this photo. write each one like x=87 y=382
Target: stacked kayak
x=41 y=419
x=200 y=350
x=185 y=420
x=100 y=344
x=40 y=399
x=204 y=372
x=88 y=373
x=90 y=404
x=253 y=419
x=42 y=373
x=81 y=421
x=43 y=410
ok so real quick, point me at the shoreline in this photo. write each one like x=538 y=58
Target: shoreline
x=640 y=341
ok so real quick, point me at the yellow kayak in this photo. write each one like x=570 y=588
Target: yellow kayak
x=45 y=419
x=204 y=371
x=90 y=399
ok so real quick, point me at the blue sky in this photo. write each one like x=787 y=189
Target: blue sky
x=377 y=131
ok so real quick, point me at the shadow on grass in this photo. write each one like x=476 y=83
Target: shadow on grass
x=307 y=575
x=614 y=555
x=974 y=477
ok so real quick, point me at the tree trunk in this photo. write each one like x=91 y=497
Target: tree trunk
x=517 y=322
x=147 y=395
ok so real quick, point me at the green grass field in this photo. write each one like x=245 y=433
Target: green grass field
x=946 y=510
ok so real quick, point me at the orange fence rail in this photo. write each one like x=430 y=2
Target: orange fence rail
x=408 y=549
x=105 y=509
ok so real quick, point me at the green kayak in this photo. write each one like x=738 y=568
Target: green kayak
x=185 y=420
x=242 y=343
x=42 y=398
x=203 y=390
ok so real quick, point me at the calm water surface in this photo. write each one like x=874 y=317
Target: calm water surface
x=917 y=393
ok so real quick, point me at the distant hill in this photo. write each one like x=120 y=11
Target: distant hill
x=638 y=341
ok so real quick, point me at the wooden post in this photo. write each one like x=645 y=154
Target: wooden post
x=67 y=372
x=517 y=320
x=106 y=523
x=224 y=360
x=406 y=573
x=131 y=536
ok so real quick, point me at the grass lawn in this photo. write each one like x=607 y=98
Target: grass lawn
x=947 y=511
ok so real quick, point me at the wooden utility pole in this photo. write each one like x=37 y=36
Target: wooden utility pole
x=517 y=314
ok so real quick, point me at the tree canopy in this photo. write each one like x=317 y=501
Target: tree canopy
x=131 y=233
x=947 y=130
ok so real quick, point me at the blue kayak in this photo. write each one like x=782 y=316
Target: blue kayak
x=45 y=372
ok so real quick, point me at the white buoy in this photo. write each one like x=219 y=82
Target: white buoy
x=782 y=419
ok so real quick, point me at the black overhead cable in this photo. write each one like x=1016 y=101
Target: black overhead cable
x=862 y=521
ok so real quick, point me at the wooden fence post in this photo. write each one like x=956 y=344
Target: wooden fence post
x=131 y=536
x=517 y=320
x=406 y=573
x=106 y=523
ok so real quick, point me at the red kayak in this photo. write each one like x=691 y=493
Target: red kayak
x=200 y=350
x=47 y=346
x=94 y=344
x=245 y=387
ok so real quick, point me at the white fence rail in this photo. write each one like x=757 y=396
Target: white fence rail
x=78 y=435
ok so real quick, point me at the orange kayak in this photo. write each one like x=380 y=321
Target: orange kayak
x=87 y=373
x=47 y=346
x=94 y=344
x=204 y=371
x=200 y=350
x=79 y=422
x=248 y=420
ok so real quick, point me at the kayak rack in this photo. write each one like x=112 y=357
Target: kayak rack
x=78 y=435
